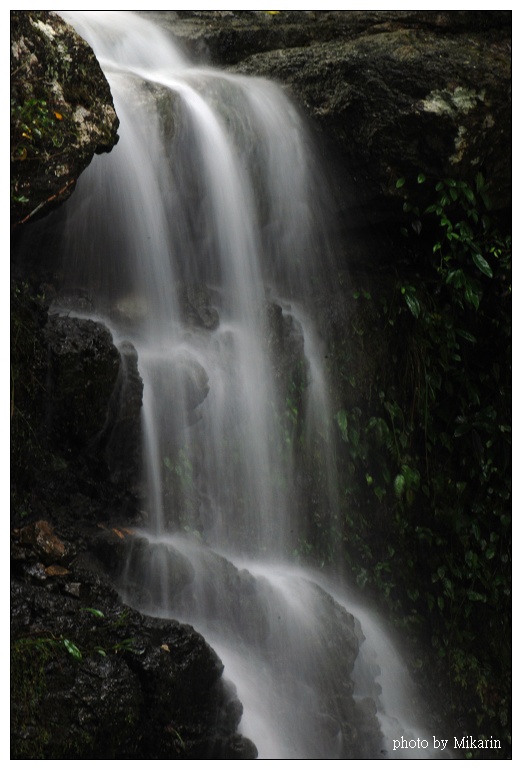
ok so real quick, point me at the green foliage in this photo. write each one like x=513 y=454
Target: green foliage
x=39 y=133
x=93 y=611
x=97 y=640
x=34 y=126
x=428 y=457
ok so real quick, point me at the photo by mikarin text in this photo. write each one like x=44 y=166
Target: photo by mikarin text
x=466 y=742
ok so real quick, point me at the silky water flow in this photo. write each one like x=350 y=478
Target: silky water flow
x=201 y=240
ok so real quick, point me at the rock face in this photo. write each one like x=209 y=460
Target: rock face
x=61 y=112
x=404 y=101
x=92 y=679
x=94 y=395
x=83 y=367
x=394 y=93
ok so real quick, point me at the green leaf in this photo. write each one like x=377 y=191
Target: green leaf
x=461 y=430
x=421 y=178
x=485 y=197
x=72 y=649
x=470 y=195
x=413 y=304
x=466 y=335
x=399 y=484
x=342 y=422
x=471 y=296
x=93 y=611
x=400 y=183
x=482 y=264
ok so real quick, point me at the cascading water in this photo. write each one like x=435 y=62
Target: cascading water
x=200 y=240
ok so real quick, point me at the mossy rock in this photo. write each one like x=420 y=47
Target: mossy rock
x=61 y=112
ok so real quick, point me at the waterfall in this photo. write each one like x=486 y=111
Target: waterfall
x=202 y=239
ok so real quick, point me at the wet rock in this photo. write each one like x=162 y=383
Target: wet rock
x=182 y=381
x=83 y=370
x=40 y=537
x=54 y=569
x=285 y=342
x=198 y=309
x=229 y=37
x=61 y=112
x=193 y=380
x=93 y=679
x=35 y=572
x=398 y=101
x=147 y=577
x=121 y=437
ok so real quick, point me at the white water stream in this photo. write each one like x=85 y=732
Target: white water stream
x=201 y=239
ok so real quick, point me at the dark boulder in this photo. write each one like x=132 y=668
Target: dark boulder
x=61 y=112
x=83 y=370
x=93 y=679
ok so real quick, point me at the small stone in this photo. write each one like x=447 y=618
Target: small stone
x=41 y=538
x=54 y=570
x=73 y=589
